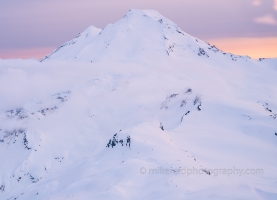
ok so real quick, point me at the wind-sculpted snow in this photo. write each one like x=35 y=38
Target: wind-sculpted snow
x=145 y=111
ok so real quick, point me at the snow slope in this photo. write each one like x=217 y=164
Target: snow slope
x=71 y=48
x=140 y=110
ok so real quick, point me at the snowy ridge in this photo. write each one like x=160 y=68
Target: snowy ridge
x=72 y=47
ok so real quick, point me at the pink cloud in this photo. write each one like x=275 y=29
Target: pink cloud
x=275 y=5
x=267 y=19
x=256 y=3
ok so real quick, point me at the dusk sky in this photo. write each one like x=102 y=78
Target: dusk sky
x=34 y=28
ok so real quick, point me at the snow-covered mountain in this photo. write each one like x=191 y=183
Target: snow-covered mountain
x=138 y=35
x=138 y=110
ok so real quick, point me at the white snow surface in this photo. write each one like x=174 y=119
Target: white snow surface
x=123 y=112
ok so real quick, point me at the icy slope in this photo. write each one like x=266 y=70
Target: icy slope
x=140 y=35
x=144 y=125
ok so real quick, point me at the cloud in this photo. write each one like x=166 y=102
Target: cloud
x=267 y=19
x=275 y=5
x=257 y=2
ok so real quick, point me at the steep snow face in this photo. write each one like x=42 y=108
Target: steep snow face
x=138 y=35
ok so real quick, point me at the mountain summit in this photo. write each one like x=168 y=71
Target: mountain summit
x=140 y=34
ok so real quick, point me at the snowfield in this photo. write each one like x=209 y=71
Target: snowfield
x=138 y=110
